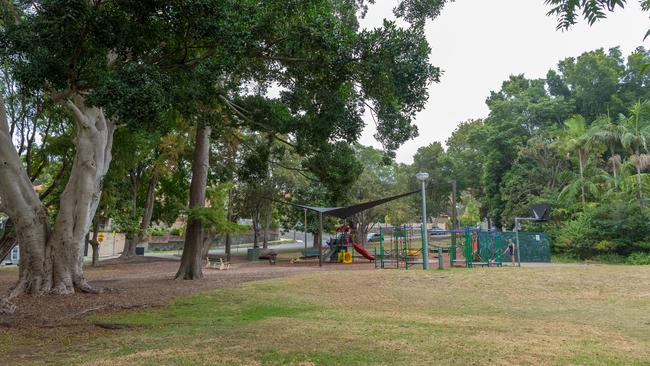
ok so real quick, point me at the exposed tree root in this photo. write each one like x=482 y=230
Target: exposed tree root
x=113 y=326
x=6 y=307
x=87 y=288
x=86 y=311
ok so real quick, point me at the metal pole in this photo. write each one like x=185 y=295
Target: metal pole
x=320 y=240
x=517 y=239
x=454 y=223
x=425 y=232
x=305 y=228
x=440 y=265
x=381 y=247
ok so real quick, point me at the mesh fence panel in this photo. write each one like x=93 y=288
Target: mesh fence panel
x=534 y=247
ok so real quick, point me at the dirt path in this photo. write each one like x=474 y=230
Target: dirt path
x=138 y=283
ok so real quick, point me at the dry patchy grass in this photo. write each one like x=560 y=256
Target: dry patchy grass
x=558 y=315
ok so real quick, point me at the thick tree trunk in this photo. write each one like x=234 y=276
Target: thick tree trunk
x=256 y=227
x=363 y=223
x=267 y=226
x=93 y=242
x=190 y=268
x=362 y=232
x=229 y=216
x=208 y=239
x=53 y=262
x=131 y=240
x=141 y=237
x=148 y=208
x=129 y=247
x=95 y=246
x=21 y=203
x=79 y=201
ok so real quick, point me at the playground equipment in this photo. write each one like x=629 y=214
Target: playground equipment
x=468 y=247
x=399 y=248
x=341 y=247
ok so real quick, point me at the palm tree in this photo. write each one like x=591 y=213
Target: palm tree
x=576 y=139
x=608 y=133
x=634 y=139
x=591 y=186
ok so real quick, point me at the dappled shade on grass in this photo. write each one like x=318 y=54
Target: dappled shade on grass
x=555 y=315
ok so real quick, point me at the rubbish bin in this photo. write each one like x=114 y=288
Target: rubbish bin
x=253 y=254
x=139 y=250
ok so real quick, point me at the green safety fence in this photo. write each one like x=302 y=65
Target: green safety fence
x=534 y=247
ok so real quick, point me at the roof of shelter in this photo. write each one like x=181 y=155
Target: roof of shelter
x=344 y=212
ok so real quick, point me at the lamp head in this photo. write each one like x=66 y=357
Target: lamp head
x=422 y=176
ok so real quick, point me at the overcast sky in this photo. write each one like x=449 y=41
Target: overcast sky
x=479 y=43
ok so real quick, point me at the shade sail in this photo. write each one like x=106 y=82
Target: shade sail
x=345 y=212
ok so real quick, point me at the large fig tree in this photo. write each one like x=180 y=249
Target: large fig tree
x=105 y=62
x=329 y=71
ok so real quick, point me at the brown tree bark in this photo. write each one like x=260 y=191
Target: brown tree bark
x=362 y=224
x=93 y=242
x=229 y=216
x=267 y=226
x=141 y=237
x=256 y=226
x=190 y=268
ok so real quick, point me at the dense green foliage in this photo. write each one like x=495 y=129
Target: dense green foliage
x=576 y=139
x=160 y=69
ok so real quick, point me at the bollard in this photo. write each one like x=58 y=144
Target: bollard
x=439 y=258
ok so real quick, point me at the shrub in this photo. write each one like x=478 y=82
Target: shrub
x=611 y=228
x=610 y=258
x=638 y=258
x=577 y=238
x=157 y=231
x=178 y=231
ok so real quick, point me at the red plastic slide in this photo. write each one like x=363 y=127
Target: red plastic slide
x=363 y=251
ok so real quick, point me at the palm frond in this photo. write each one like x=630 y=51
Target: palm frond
x=641 y=161
x=614 y=162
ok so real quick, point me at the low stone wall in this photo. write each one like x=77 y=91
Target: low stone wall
x=172 y=242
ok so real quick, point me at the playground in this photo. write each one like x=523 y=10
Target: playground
x=407 y=246
x=255 y=314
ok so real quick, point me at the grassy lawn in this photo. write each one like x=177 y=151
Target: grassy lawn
x=557 y=315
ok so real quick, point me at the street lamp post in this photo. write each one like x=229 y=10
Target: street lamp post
x=305 y=229
x=422 y=177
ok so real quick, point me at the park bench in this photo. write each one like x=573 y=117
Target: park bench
x=269 y=254
x=310 y=253
x=218 y=263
